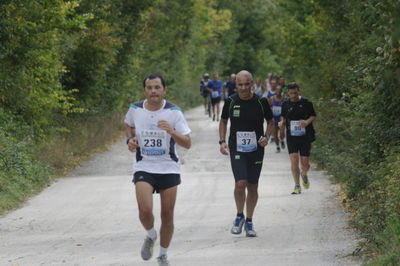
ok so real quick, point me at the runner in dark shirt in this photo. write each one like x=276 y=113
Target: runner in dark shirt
x=247 y=140
x=297 y=117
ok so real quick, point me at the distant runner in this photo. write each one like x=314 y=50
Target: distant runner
x=297 y=116
x=154 y=127
x=258 y=89
x=230 y=86
x=247 y=140
x=267 y=82
x=282 y=83
x=206 y=94
x=276 y=102
x=273 y=82
x=215 y=89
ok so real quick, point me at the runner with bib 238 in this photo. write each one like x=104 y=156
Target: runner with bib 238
x=154 y=128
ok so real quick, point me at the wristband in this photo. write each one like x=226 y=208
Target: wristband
x=221 y=141
x=127 y=140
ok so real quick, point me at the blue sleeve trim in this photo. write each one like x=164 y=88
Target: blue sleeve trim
x=172 y=106
x=137 y=105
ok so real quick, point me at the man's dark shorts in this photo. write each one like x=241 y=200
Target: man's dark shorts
x=247 y=165
x=304 y=147
x=214 y=101
x=158 y=181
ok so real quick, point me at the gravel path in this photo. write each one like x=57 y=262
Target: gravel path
x=90 y=216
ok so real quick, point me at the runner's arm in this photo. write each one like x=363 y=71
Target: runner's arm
x=223 y=125
x=282 y=122
x=181 y=140
x=310 y=110
x=268 y=117
x=305 y=123
x=270 y=128
x=131 y=140
x=130 y=131
x=282 y=125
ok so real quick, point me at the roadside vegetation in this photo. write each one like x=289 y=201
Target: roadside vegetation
x=70 y=69
x=346 y=56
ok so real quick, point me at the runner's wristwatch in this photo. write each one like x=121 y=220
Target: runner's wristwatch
x=221 y=141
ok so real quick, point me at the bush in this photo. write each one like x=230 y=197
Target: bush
x=20 y=173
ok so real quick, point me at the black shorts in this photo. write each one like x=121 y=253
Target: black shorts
x=158 y=181
x=215 y=100
x=294 y=146
x=247 y=165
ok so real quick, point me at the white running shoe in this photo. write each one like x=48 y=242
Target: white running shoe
x=163 y=261
x=147 y=248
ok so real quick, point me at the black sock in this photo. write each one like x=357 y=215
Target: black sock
x=249 y=220
x=240 y=214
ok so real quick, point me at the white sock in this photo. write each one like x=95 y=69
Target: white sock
x=163 y=251
x=152 y=233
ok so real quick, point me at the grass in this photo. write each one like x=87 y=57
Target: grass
x=83 y=138
x=25 y=171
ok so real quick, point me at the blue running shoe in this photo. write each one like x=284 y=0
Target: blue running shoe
x=237 y=225
x=249 y=228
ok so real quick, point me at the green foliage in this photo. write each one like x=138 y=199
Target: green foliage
x=79 y=139
x=252 y=43
x=68 y=65
x=346 y=56
x=379 y=209
x=69 y=68
x=21 y=174
x=30 y=59
x=387 y=245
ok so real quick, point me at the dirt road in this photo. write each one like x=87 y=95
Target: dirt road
x=90 y=217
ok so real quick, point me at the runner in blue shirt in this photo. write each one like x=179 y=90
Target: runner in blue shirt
x=215 y=89
x=230 y=87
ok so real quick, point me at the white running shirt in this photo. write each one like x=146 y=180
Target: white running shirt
x=157 y=153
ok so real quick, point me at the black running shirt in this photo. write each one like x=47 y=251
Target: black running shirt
x=246 y=115
x=301 y=110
